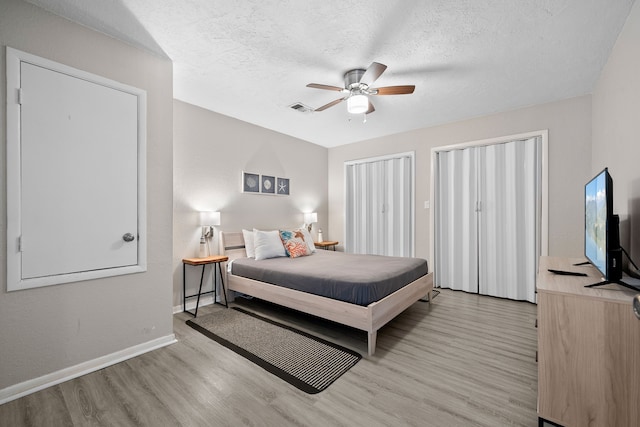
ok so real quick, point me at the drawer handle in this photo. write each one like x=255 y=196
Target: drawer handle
x=128 y=237
x=636 y=305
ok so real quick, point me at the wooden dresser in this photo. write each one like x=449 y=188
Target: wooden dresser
x=588 y=349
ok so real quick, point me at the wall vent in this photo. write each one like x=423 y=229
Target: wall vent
x=299 y=106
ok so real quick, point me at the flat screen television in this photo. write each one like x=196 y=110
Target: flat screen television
x=601 y=227
x=602 y=231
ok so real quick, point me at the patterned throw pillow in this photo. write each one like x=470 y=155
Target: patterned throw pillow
x=294 y=243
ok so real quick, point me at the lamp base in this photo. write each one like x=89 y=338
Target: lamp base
x=202 y=252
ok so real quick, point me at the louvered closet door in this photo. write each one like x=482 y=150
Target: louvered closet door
x=487 y=219
x=379 y=206
x=507 y=219
x=456 y=231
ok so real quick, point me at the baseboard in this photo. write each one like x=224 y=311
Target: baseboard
x=191 y=305
x=205 y=300
x=31 y=386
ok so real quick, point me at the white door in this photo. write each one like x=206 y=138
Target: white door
x=488 y=218
x=79 y=187
x=379 y=205
x=508 y=223
x=456 y=235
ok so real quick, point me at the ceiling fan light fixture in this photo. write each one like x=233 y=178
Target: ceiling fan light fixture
x=358 y=87
x=357 y=104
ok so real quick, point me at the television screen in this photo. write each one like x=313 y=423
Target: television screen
x=598 y=208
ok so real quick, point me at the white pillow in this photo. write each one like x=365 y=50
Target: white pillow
x=249 y=244
x=308 y=238
x=268 y=244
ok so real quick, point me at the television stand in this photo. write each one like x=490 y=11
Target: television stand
x=617 y=282
x=588 y=350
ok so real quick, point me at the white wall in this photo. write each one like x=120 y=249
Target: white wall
x=210 y=153
x=569 y=125
x=616 y=129
x=48 y=329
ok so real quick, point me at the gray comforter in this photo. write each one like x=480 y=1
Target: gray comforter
x=357 y=279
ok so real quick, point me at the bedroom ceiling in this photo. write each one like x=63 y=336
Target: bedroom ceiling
x=252 y=59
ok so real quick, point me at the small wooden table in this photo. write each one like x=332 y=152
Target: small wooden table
x=215 y=260
x=326 y=244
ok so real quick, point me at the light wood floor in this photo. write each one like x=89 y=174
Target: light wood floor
x=464 y=360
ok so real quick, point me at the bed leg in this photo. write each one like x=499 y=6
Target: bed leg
x=372 y=342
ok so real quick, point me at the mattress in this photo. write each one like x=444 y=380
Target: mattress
x=353 y=278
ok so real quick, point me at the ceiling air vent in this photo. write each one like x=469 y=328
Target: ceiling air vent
x=299 y=106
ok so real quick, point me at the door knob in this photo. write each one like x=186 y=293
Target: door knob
x=128 y=237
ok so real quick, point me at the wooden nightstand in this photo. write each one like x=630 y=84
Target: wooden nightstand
x=214 y=260
x=326 y=245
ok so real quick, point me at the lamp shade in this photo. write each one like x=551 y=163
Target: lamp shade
x=310 y=218
x=357 y=104
x=209 y=218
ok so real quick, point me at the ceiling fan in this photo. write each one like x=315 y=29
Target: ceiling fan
x=357 y=89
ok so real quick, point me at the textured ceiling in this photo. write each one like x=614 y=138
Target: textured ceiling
x=252 y=59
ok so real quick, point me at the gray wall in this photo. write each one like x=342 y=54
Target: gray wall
x=48 y=329
x=569 y=125
x=616 y=129
x=210 y=153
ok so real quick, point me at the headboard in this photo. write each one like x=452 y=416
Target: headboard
x=232 y=244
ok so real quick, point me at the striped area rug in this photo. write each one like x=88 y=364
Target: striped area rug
x=309 y=363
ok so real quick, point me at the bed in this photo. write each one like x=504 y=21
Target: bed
x=370 y=317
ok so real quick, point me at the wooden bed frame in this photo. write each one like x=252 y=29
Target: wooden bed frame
x=367 y=318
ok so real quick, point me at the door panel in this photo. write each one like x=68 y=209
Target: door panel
x=486 y=218
x=79 y=173
x=379 y=206
x=507 y=221
x=456 y=236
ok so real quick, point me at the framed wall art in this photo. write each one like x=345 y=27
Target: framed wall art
x=250 y=182
x=267 y=184
x=283 y=186
x=255 y=183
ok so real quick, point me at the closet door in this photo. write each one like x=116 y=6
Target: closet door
x=508 y=177
x=487 y=218
x=456 y=258
x=79 y=175
x=379 y=206
x=75 y=175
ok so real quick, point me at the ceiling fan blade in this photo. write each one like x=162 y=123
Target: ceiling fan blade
x=395 y=90
x=374 y=71
x=331 y=104
x=325 y=87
